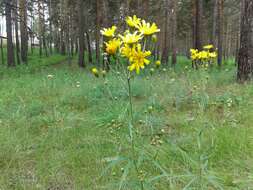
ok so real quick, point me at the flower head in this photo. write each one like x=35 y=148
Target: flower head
x=208 y=47
x=158 y=63
x=138 y=59
x=130 y=38
x=147 y=29
x=203 y=55
x=95 y=72
x=50 y=76
x=212 y=55
x=109 y=32
x=112 y=46
x=194 y=54
x=133 y=21
x=126 y=51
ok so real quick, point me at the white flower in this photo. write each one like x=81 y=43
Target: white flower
x=50 y=76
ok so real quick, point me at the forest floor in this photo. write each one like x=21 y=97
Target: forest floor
x=61 y=128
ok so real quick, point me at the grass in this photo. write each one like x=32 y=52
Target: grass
x=56 y=134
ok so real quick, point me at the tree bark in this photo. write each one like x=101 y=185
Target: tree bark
x=10 y=49
x=16 y=34
x=245 y=59
x=81 y=33
x=197 y=24
x=214 y=27
x=23 y=30
x=220 y=31
x=174 y=31
x=98 y=22
x=165 y=52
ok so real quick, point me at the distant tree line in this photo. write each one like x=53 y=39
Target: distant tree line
x=72 y=27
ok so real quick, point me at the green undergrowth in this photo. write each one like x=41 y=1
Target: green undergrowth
x=62 y=128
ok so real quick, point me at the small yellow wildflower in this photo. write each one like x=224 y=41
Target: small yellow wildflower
x=194 y=54
x=133 y=21
x=112 y=46
x=95 y=72
x=130 y=38
x=208 y=47
x=126 y=51
x=158 y=63
x=138 y=59
x=213 y=55
x=203 y=55
x=147 y=29
x=109 y=32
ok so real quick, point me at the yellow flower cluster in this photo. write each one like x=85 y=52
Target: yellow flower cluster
x=96 y=73
x=131 y=44
x=203 y=56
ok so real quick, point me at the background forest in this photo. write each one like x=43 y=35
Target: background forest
x=93 y=97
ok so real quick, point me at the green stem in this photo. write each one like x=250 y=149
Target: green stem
x=130 y=97
x=131 y=125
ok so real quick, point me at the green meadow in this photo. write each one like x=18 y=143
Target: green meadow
x=61 y=128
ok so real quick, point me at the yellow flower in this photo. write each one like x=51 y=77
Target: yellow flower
x=133 y=21
x=148 y=29
x=126 y=51
x=203 y=55
x=95 y=72
x=213 y=55
x=158 y=63
x=194 y=54
x=109 y=32
x=130 y=38
x=138 y=59
x=112 y=46
x=208 y=47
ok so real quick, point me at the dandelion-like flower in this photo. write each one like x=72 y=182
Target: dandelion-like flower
x=158 y=63
x=213 y=55
x=95 y=72
x=138 y=59
x=126 y=51
x=133 y=21
x=208 y=47
x=130 y=38
x=112 y=46
x=109 y=32
x=148 y=29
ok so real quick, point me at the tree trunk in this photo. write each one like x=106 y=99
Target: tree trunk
x=245 y=59
x=40 y=28
x=2 y=51
x=98 y=22
x=23 y=30
x=220 y=31
x=81 y=33
x=174 y=31
x=197 y=24
x=89 y=47
x=50 y=27
x=214 y=27
x=10 y=49
x=16 y=34
x=165 y=52
x=146 y=8
x=44 y=30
